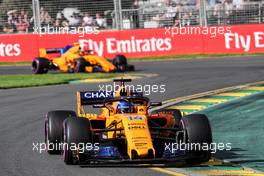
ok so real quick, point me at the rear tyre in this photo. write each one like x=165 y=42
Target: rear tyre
x=120 y=61
x=130 y=68
x=40 y=65
x=79 y=65
x=76 y=131
x=54 y=129
x=198 y=131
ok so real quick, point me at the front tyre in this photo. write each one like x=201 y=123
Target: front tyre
x=54 y=129
x=77 y=131
x=198 y=133
x=79 y=65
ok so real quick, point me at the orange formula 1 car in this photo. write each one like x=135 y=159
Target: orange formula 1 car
x=73 y=58
x=125 y=131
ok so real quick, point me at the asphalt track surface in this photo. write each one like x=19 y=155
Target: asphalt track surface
x=23 y=110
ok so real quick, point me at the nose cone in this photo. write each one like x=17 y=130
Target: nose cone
x=138 y=136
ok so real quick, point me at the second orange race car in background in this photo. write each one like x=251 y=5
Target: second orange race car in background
x=75 y=59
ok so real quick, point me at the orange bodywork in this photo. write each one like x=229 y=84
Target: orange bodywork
x=134 y=126
x=66 y=60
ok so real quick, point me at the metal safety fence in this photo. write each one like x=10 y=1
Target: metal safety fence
x=17 y=16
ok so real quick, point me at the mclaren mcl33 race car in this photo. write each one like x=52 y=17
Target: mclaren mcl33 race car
x=76 y=59
x=125 y=131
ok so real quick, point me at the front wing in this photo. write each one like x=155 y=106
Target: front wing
x=172 y=160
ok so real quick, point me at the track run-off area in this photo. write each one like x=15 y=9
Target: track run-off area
x=230 y=112
x=236 y=120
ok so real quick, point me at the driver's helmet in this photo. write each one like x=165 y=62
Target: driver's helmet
x=84 y=50
x=124 y=107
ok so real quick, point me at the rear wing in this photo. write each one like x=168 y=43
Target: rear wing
x=93 y=97
x=53 y=50
x=45 y=51
x=99 y=97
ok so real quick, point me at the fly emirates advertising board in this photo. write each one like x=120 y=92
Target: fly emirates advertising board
x=138 y=43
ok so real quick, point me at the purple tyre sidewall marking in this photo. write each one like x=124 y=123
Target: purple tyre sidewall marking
x=182 y=125
x=46 y=131
x=64 y=143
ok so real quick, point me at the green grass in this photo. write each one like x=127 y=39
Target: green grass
x=14 y=63
x=25 y=80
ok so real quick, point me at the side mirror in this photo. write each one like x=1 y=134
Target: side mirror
x=98 y=106
x=155 y=104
